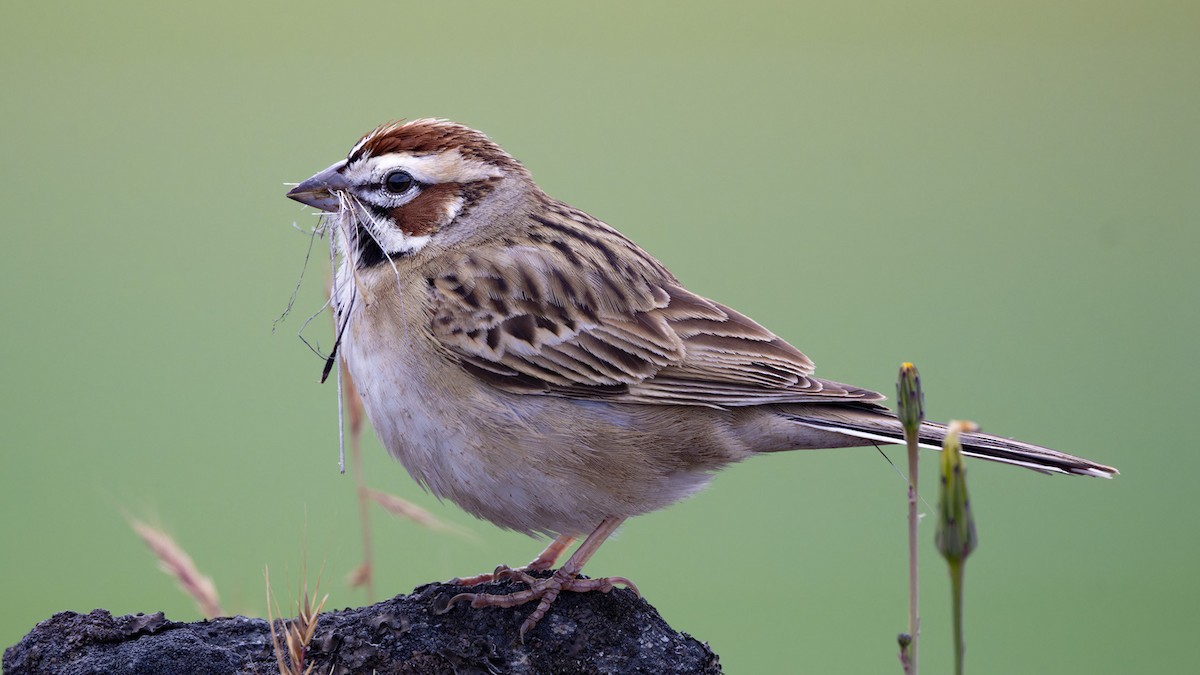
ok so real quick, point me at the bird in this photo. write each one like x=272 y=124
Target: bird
x=528 y=362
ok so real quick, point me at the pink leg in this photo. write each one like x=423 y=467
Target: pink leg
x=544 y=561
x=545 y=591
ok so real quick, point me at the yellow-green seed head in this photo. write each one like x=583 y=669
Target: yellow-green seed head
x=956 y=526
x=910 y=400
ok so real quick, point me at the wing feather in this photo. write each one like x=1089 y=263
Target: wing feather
x=515 y=317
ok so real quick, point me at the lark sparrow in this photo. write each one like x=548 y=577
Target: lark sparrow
x=536 y=367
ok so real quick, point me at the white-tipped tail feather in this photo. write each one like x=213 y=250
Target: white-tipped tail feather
x=880 y=426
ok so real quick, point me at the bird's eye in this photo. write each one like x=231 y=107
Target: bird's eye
x=398 y=182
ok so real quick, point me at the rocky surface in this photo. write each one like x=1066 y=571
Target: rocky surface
x=584 y=633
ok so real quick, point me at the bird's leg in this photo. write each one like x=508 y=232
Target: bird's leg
x=545 y=591
x=544 y=561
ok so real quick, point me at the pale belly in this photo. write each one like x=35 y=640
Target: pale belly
x=535 y=464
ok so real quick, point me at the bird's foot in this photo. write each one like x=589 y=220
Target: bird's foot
x=501 y=572
x=544 y=590
x=544 y=562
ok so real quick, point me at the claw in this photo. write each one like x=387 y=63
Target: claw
x=624 y=582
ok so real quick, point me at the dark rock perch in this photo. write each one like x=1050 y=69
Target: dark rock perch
x=583 y=633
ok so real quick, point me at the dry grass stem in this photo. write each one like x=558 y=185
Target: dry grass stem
x=399 y=506
x=290 y=640
x=364 y=574
x=354 y=406
x=173 y=560
x=361 y=576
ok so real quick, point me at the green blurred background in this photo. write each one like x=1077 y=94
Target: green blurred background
x=1004 y=193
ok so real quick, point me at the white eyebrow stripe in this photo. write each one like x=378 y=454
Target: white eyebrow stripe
x=361 y=142
x=444 y=167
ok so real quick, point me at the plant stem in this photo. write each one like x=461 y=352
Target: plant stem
x=956 y=592
x=914 y=618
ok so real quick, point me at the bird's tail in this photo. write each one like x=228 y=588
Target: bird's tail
x=878 y=424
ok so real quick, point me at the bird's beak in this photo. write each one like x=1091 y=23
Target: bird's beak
x=318 y=191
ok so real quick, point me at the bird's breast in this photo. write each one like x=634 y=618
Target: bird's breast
x=536 y=464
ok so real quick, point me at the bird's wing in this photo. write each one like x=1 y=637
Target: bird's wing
x=577 y=321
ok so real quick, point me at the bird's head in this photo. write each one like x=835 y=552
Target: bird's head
x=405 y=186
